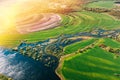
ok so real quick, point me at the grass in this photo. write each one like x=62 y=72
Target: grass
x=112 y=43
x=79 y=45
x=102 y=4
x=72 y=23
x=95 y=64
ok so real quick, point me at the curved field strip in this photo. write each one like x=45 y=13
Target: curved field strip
x=104 y=21
x=79 y=45
x=102 y=4
x=95 y=64
x=111 y=43
x=72 y=23
x=76 y=20
x=65 y=19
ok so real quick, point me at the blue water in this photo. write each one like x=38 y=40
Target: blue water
x=19 y=67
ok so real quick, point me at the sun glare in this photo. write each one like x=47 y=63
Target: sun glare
x=13 y=10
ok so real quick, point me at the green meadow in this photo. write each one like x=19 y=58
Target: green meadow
x=82 y=44
x=79 y=45
x=94 y=64
x=112 y=43
x=102 y=4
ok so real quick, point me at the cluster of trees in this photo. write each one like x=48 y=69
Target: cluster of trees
x=98 y=10
x=115 y=36
x=88 y=47
x=37 y=53
x=50 y=61
x=54 y=50
x=110 y=49
x=33 y=52
x=115 y=12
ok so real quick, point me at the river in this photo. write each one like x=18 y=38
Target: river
x=19 y=67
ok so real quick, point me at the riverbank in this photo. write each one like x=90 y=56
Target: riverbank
x=61 y=61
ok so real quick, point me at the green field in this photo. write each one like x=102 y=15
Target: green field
x=95 y=64
x=79 y=45
x=71 y=23
x=112 y=43
x=102 y=4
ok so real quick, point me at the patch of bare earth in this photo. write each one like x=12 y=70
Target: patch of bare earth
x=37 y=22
